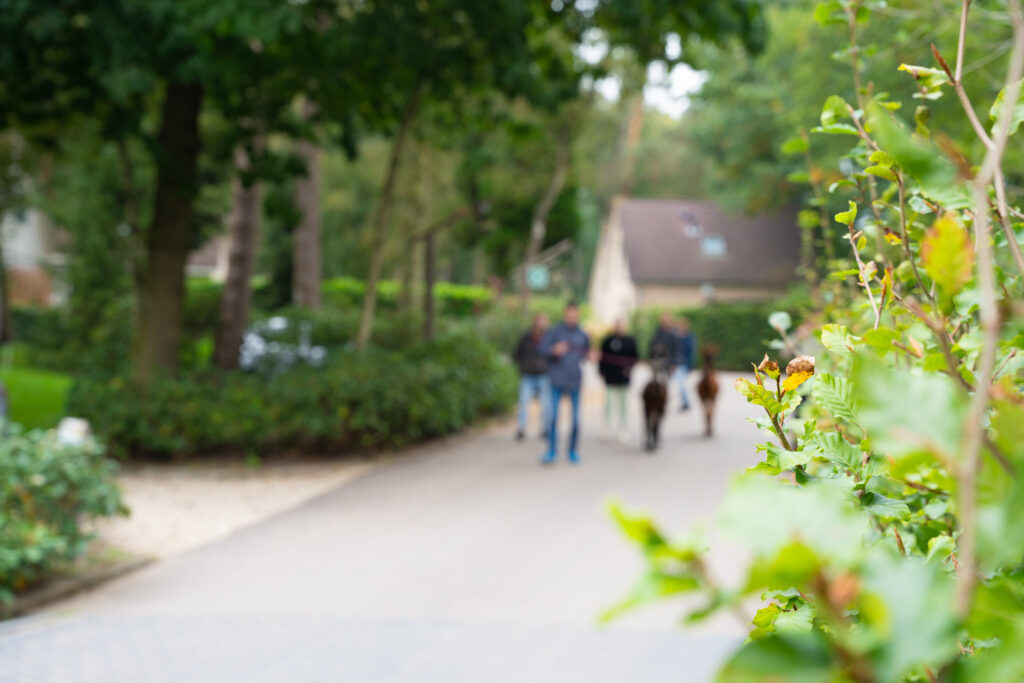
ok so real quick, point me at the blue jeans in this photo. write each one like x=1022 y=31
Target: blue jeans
x=529 y=387
x=680 y=376
x=556 y=399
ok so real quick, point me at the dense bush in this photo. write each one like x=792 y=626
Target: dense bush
x=379 y=398
x=452 y=299
x=738 y=329
x=47 y=491
x=885 y=522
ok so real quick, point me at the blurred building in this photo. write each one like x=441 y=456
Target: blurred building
x=34 y=255
x=684 y=253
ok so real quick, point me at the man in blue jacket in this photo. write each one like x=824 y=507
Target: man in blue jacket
x=685 y=346
x=566 y=347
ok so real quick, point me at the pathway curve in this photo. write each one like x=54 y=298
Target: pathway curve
x=462 y=561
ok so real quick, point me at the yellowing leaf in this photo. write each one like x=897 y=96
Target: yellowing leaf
x=795 y=380
x=948 y=255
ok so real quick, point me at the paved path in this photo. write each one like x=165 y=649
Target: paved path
x=463 y=561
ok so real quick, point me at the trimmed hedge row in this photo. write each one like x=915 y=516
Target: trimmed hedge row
x=380 y=398
x=740 y=330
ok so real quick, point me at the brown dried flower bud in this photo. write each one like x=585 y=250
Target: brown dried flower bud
x=767 y=365
x=801 y=364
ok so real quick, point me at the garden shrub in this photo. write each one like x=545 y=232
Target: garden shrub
x=379 y=398
x=48 y=491
x=885 y=521
x=738 y=329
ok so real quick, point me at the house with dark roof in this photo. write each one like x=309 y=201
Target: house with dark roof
x=678 y=253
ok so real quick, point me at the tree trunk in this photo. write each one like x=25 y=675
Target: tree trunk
x=380 y=224
x=428 y=281
x=630 y=143
x=306 y=259
x=539 y=224
x=171 y=232
x=6 y=333
x=243 y=234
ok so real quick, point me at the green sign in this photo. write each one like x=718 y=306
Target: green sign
x=537 y=277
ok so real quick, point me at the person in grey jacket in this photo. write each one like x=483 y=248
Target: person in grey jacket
x=567 y=347
x=533 y=374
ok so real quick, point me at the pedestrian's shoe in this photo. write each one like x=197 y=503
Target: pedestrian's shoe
x=574 y=457
x=519 y=435
x=547 y=459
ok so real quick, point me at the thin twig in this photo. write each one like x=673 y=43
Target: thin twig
x=974 y=430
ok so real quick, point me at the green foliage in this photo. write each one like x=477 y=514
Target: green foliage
x=738 y=329
x=35 y=398
x=48 y=491
x=884 y=522
x=377 y=399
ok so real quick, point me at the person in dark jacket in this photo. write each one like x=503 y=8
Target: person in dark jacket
x=662 y=350
x=618 y=356
x=533 y=375
x=567 y=347
x=686 y=344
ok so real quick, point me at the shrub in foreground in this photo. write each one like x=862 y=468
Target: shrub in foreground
x=48 y=490
x=375 y=399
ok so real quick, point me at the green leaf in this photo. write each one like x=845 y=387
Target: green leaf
x=1017 y=115
x=780 y=320
x=798 y=177
x=847 y=217
x=652 y=587
x=837 y=339
x=918 y=619
x=783 y=657
x=920 y=158
x=881 y=172
x=837 y=450
x=768 y=516
x=948 y=256
x=784 y=459
x=881 y=338
x=830 y=12
x=908 y=411
x=881 y=506
x=834 y=110
x=759 y=396
x=835 y=394
x=794 y=145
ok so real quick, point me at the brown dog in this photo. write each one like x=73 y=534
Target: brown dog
x=655 y=397
x=707 y=387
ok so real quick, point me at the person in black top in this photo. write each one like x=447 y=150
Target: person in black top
x=618 y=356
x=533 y=373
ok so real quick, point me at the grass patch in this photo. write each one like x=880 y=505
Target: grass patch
x=35 y=397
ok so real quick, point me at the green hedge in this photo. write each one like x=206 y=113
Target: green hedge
x=48 y=490
x=740 y=330
x=379 y=398
x=452 y=299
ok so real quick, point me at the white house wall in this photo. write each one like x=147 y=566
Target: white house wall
x=612 y=293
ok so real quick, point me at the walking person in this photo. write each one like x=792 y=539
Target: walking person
x=661 y=352
x=618 y=356
x=686 y=345
x=567 y=347
x=533 y=375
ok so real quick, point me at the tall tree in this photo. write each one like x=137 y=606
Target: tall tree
x=243 y=233
x=306 y=258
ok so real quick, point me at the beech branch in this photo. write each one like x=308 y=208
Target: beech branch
x=974 y=431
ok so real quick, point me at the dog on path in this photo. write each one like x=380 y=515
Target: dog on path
x=707 y=387
x=655 y=396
